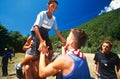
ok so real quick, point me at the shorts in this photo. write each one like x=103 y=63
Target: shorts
x=28 y=51
x=45 y=36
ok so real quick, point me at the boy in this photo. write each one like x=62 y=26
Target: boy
x=106 y=62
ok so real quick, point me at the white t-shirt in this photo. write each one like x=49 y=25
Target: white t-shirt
x=43 y=21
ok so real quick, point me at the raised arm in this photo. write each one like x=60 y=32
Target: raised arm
x=96 y=69
x=28 y=43
x=46 y=69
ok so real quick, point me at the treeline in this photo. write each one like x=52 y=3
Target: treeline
x=13 y=40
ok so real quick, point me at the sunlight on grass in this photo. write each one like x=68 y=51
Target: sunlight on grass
x=11 y=67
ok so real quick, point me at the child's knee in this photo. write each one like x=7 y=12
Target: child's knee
x=26 y=67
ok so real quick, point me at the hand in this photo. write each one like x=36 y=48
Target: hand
x=97 y=74
x=43 y=48
x=63 y=42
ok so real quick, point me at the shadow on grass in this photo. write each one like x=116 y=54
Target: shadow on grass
x=12 y=74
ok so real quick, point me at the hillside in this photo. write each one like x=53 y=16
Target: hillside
x=105 y=26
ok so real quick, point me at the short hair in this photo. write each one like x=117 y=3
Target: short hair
x=80 y=36
x=50 y=1
x=108 y=42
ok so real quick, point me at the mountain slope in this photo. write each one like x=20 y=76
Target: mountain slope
x=105 y=26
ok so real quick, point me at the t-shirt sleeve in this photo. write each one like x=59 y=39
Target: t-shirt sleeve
x=39 y=19
x=95 y=58
x=55 y=24
x=117 y=60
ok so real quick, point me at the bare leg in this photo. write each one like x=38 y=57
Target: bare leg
x=31 y=70
x=27 y=72
x=27 y=59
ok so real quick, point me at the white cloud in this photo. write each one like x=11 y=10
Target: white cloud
x=115 y=4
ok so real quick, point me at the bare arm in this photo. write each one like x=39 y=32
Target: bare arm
x=47 y=70
x=96 y=70
x=28 y=44
x=44 y=69
x=37 y=32
x=61 y=37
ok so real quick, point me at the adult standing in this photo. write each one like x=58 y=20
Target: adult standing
x=5 y=63
x=105 y=62
x=31 y=66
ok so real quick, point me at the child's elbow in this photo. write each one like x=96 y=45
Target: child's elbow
x=41 y=75
x=24 y=48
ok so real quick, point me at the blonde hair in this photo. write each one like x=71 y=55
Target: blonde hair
x=80 y=36
x=108 y=42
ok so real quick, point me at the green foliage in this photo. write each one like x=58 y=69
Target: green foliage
x=12 y=40
x=103 y=27
x=3 y=37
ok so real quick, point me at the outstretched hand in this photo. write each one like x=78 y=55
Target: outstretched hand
x=43 y=48
x=63 y=42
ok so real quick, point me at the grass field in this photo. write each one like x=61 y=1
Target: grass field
x=19 y=56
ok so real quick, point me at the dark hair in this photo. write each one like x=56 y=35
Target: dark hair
x=50 y=1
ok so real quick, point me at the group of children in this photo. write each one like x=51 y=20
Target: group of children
x=39 y=33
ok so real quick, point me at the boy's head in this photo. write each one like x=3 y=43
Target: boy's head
x=106 y=46
x=108 y=42
x=52 y=5
x=50 y=1
x=78 y=36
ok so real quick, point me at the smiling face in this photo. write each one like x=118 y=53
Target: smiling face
x=52 y=7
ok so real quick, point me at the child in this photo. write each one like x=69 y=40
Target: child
x=27 y=47
x=44 y=22
x=4 y=63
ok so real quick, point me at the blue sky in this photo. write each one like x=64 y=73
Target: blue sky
x=20 y=15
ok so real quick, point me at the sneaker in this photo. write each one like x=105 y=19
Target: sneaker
x=19 y=72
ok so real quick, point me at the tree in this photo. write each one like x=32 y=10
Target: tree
x=3 y=37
